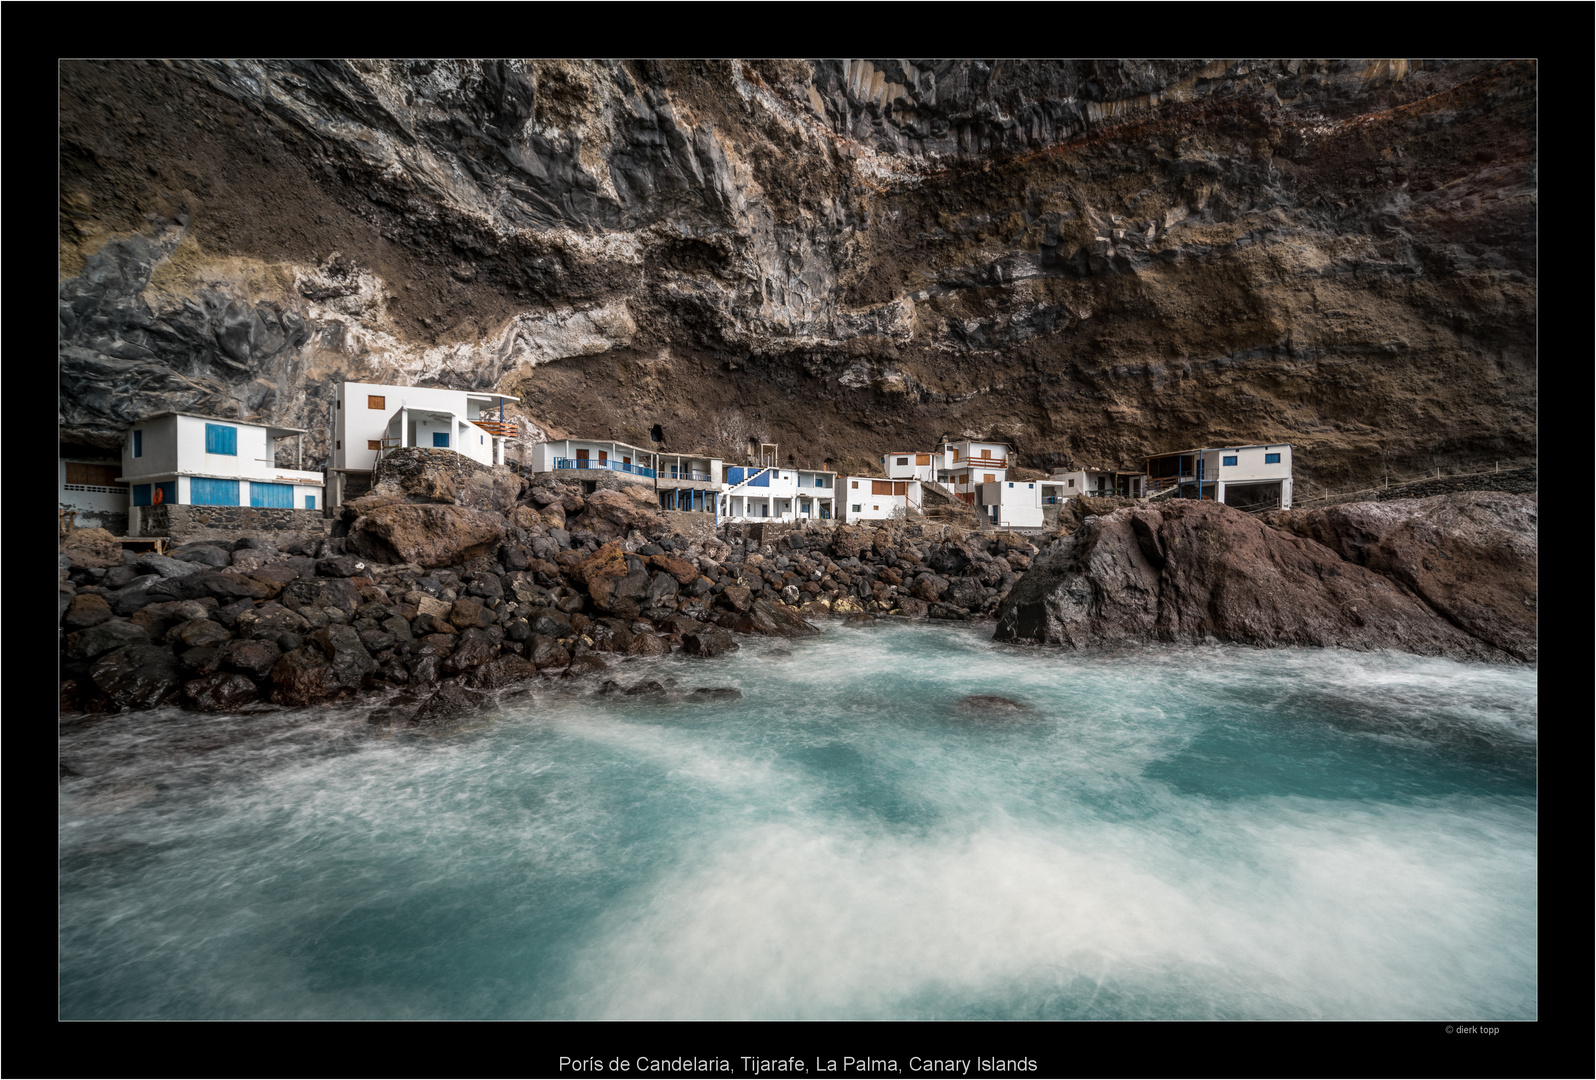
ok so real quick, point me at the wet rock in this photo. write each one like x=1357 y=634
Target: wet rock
x=198 y=632
x=705 y=694
x=450 y=704
x=348 y=659
x=204 y=555
x=137 y=676
x=646 y=644
x=993 y=706
x=773 y=620
x=501 y=672
x=585 y=664
x=473 y=648
x=103 y=638
x=303 y=676
x=709 y=641
x=221 y=692
x=340 y=566
x=253 y=658
x=1469 y=556
x=150 y=563
x=1227 y=576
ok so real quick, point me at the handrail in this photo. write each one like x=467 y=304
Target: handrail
x=504 y=429
x=602 y=463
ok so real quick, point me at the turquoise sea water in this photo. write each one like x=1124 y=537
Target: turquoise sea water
x=1167 y=833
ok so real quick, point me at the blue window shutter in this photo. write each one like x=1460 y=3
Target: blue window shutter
x=208 y=491
x=221 y=440
x=271 y=495
x=440 y=438
x=310 y=502
x=141 y=494
x=138 y=444
x=1229 y=459
x=1271 y=459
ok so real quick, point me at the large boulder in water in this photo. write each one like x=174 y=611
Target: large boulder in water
x=1194 y=571
x=1469 y=555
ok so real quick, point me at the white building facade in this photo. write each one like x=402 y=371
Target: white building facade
x=188 y=460
x=909 y=465
x=870 y=498
x=92 y=495
x=965 y=465
x=1246 y=477
x=371 y=419
x=771 y=493
x=1010 y=504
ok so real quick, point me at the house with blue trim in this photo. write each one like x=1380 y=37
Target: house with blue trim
x=185 y=459
x=1252 y=477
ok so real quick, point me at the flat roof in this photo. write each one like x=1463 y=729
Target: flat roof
x=1206 y=449
x=483 y=394
x=271 y=428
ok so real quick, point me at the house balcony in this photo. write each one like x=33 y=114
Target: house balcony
x=601 y=463
x=982 y=463
x=501 y=429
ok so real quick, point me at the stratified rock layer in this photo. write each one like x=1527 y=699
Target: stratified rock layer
x=1190 y=572
x=1088 y=259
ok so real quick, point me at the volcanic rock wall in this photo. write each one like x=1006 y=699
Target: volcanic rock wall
x=1089 y=260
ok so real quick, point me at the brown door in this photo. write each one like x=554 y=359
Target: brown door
x=881 y=487
x=581 y=455
x=604 y=457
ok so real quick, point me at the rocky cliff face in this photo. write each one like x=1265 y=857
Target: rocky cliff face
x=1089 y=260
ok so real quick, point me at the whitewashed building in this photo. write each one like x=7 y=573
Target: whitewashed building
x=1246 y=477
x=1064 y=485
x=772 y=493
x=909 y=465
x=963 y=466
x=92 y=495
x=870 y=498
x=184 y=459
x=589 y=456
x=1010 y=504
x=371 y=419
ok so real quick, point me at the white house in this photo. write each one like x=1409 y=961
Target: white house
x=1064 y=485
x=1247 y=477
x=586 y=455
x=869 y=498
x=962 y=466
x=189 y=460
x=91 y=493
x=371 y=419
x=1010 y=504
x=773 y=493
x=909 y=465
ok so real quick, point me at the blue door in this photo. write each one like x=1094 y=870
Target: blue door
x=310 y=502
x=207 y=491
x=278 y=495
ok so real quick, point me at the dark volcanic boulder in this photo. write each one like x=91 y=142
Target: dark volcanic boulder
x=1470 y=556
x=86 y=610
x=709 y=641
x=303 y=676
x=138 y=676
x=102 y=638
x=427 y=535
x=773 y=620
x=223 y=691
x=1226 y=576
x=451 y=703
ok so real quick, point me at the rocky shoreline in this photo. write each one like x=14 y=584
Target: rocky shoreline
x=448 y=587
x=485 y=586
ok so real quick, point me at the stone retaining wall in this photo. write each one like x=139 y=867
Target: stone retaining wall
x=281 y=525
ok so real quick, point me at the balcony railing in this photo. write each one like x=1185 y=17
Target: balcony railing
x=982 y=462
x=502 y=429
x=601 y=463
x=688 y=474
